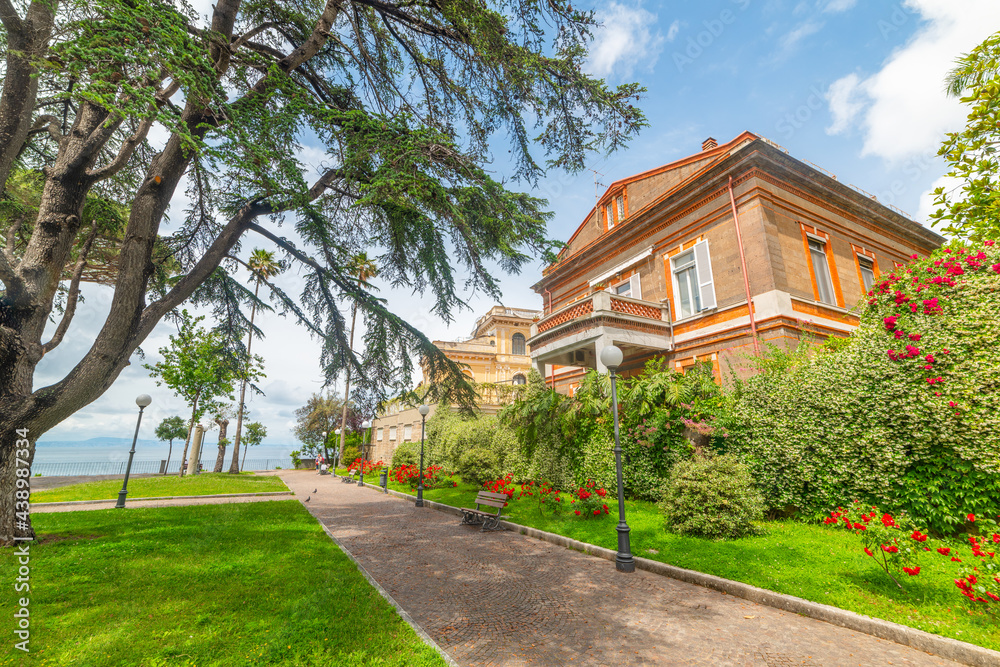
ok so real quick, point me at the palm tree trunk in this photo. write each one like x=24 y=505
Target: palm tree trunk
x=169 y=452
x=347 y=389
x=194 y=411
x=234 y=467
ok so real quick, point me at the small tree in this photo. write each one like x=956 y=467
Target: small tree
x=253 y=436
x=171 y=428
x=197 y=370
x=322 y=414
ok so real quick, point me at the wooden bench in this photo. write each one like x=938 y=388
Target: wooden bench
x=349 y=477
x=477 y=516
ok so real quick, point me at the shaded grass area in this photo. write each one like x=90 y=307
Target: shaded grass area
x=204 y=484
x=211 y=585
x=809 y=561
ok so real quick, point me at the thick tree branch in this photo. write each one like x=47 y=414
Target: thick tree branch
x=47 y=123
x=10 y=18
x=411 y=21
x=74 y=293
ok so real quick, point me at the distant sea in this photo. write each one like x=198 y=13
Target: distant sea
x=107 y=453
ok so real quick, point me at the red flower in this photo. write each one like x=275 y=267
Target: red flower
x=957 y=560
x=890 y=322
x=577 y=512
x=596 y=512
x=996 y=538
x=918 y=536
x=869 y=552
x=912 y=571
x=890 y=549
x=914 y=337
x=971 y=518
x=944 y=551
x=888 y=521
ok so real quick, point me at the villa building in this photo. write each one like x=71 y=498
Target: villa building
x=705 y=258
x=495 y=354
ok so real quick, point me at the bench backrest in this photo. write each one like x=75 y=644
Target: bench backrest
x=491 y=499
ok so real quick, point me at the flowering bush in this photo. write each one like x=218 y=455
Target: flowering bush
x=589 y=501
x=897 y=548
x=365 y=466
x=502 y=485
x=712 y=497
x=904 y=415
x=544 y=494
x=478 y=465
x=433 y=477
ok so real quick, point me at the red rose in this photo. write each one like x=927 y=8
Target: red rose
x=957 y=560
x=869 y=552
x=971 y=518
x=912 y=571
x=577 y=512
x=944 y=551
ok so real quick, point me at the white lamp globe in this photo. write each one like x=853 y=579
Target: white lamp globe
x=366 y=424
x=611 y=356
x=143 y=400
x=424 y=409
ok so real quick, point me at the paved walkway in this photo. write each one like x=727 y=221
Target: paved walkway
x=506 y=599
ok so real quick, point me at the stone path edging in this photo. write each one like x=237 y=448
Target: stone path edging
x=139 y=500
x=385 y=594
x=945 y=647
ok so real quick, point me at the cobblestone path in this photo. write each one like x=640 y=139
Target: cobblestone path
x=506 y=599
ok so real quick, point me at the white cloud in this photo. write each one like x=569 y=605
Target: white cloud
x=625 y=40
x=837 y=6
x=846 y=102
x=905 y=109
x=790 y=41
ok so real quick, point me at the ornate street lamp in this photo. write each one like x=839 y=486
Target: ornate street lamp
x=142 y=401
x=423 y=410
x=611 y=357
x=364 y=425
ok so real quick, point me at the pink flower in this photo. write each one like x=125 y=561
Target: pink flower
x=952 y=404
x=914 y=337
x=899 y=334
x=996 y=267
x=890 y=322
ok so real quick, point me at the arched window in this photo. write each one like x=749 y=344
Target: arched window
x=517 y=344
x=519 y=379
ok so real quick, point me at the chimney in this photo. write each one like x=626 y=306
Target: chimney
x=709 y=144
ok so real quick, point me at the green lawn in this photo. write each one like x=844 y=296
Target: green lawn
x=809 y=561
x=240 y=584
x=207 y=483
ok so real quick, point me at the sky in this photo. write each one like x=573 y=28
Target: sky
x=856 y=88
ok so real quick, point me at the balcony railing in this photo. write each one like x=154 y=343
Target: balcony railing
x=602 y=302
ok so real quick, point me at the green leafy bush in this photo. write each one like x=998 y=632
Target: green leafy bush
x=406 y=454
x=712 y=497
x=351 y=454
x=903 y=416
x=478 y=465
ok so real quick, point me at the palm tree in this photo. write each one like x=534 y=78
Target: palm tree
x=363 y=269
x=263 y=265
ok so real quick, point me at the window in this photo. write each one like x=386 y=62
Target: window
x=519 y=379
x=867 y=268
x=821 y=271
x=694 y=290
x=392 y=432
x=407 y=431
x=610 y=212
x=630 y=288
x=379 y=436
x=621 y=207
x=517 y=344
x=625 y=289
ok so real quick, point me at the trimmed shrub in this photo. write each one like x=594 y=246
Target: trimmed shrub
x=711 y=497
x=903 y=416
x=350 y=455
x=478 y=465
x=406 y=454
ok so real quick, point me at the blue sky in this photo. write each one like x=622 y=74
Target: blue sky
x=854 y=87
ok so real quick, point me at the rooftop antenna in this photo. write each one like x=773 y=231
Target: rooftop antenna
x=597 y=186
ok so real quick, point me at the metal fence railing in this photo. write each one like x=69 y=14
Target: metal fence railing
x=64 y=468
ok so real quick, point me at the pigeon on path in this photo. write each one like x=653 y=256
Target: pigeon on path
x=307 y=498
x=314 y=490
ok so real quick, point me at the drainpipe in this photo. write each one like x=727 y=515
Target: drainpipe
x=743 y=265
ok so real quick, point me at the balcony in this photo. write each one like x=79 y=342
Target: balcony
x=575 y=334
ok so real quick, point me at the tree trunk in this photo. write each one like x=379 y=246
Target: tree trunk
x=194 y=411
x=234 y=467
x=220 y=459
x=12 y=499
x=244 y=458
x=347 y=390
x=169 y=452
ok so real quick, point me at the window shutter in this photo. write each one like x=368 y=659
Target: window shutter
x=635 y=286
x=706 y=286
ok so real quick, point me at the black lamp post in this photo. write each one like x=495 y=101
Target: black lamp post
x=142 y=401
x=611 y=357
x=423 y=410
x=364 y=425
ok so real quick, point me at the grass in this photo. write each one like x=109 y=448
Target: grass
x=809 y=561
x=212 y=585
x=170 y=485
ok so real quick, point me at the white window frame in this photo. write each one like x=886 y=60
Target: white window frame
x=867 y=264
x=609 y=211
x=392 y=433
x=620 y=200
x=819 y=258
x=702 y=286
x=407 y=431
x=378 y=434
